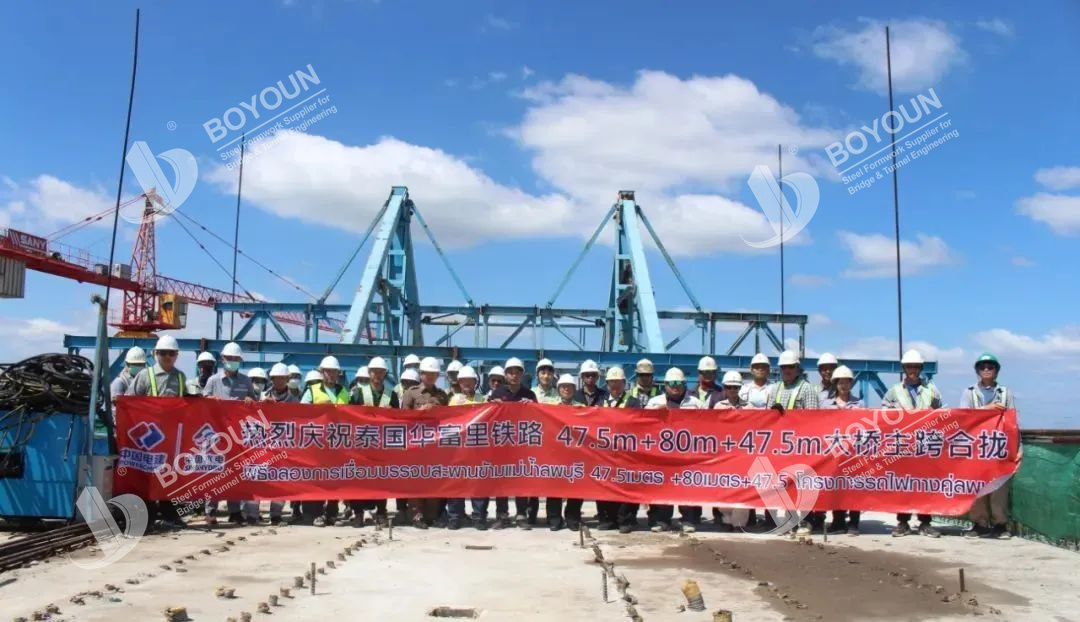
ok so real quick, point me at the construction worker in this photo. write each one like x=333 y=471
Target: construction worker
x=232 y=384
x=567 y=388
x=675 y=396
x=296 y=378
x=756 y=392
x=546 y=391
x=910 y=394
x=467 y=395
x=162 y=380
x=411 y=362
x=793 y=392
x=707 y=392
x=843 y=380
x=326 y=389
x=496 y=379
x=409 y=379
x=733 y=384
x=990 y=513
x=374 y=393
x=452 y=371
x=312 y=378
x=644 y=388
x=278 y=391
x=513 y=391
x=361 y=378
x=589 y=394
x=205 y=366
x=258 y=380
x=134 y=362
x=826 y=366
x=425 y=396
x=613 y=514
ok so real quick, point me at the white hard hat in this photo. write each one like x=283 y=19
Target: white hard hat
x=330 y=362
x=430 y=364
x=497 y=371
x=313 y=375
x=377 y=363
x=589 y=367
x=205 y=357
x=732 y=378
x=615 y=373
x=912 y=357
x=707 y=363
x=167 y=342
x=827 y=359
x=566 y=379
x=514 y=361
x=674 y=375
x=294 y=370
x=787 y=357
x=644 y=366
x=257 y=372
x=363 y=372
x=545 y=363
x=842 y=371
x=232 y=349
x=759 y=359
x=135 y=356
x=411 y=360
x=453 y=367
x=279 y=369
x=466 y=372
x=411 y=375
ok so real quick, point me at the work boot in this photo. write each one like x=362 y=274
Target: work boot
x=929 y=530
x=804 y=529
x=1001 y=532
x=320 y=521
x=480 y=524
x=555 y=524
x=689 y=528
x=605 y=525
x=522 y=522
x=573 y=524
x=252 y=521
x=453 y=524
x=236 y=518
x=902 y=529
x=660 y=527
x=626 y=528
x=853 y=530
x=837 y=526
x=357 y=520
x=275 y=520
x=501 y=522
x=977 y=531
x=381 y=520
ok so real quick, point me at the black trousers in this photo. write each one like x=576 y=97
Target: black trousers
x=607 y=511
x=627 y=514
x=553 y=508
x=844 y=516
x=923 y=518
x=528 y=507
x=664 y=513
x=313 y=509
x=573 y=509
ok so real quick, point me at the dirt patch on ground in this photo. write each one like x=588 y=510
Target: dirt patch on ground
x=817 y=582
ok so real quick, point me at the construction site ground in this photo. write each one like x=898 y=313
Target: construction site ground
x=543 y=575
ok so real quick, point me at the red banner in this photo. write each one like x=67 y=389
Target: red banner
x=933 y=461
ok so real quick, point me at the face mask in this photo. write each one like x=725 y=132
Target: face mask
x=259 y=385
x=294 y=383
x=232 y=365
x=135 y=369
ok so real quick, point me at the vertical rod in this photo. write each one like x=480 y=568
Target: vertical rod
x=896 y=206
x=963 y=585
x=780 y=182
x=236 y=230
x=313 y=574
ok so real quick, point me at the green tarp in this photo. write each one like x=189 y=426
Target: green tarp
x=1046 y=492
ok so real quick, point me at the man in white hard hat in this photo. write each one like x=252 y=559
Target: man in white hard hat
x=526 y=508
x=362 y=377
x=546 y=391
x=589 y=393
x=826 y=365
x=496 y=379
x=756 y=392
x=278 y=392
x=374 y=393
x=452 y=371
x=732 y=383
x=644 y=388
x=425 y=396
x=793 y=392
x=134 y=362
x=707 y=391
x=205 y=366
x=409 y=379
x=162 y=380
x=259 y=379
x=612 y=514
x=232 y=384
x=327 y=390
x=296 y=378
x=910 y=394
x=467 y=395
x=411 y=362
x=990 y=513
x=661 y=517
x=567 y=388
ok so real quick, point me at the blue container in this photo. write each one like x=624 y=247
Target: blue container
x=41 y=479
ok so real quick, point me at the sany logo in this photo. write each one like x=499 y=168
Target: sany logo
x=774 y=493
x=113 y=541
x=767 y=192
x=146 y=436
x=144 y=164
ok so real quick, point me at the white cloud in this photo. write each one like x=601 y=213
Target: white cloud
x=1059 y=177
x=996 y=26
x=809 y=280
x=462 y=204
x=47 y=201
x=690 y=225
x=494 y=22
x=526 y=72
x=923 y=51
x=1023 y=262
x=24 y=337
x=819 y=320
x=1057 y=344
x=949 y=359
x=1060 y=211
x=874 y=255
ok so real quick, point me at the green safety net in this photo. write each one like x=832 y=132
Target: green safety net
x=1045 y=499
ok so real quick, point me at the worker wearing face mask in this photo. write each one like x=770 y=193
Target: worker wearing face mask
x=134 y=362
x=296 y=378
x=259 y=380
x=232 y=384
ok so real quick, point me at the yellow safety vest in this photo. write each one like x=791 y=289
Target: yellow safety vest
x=153 y=382
x=460 y=399
x=369 y=396
x=320 y=396
x=926 y=396
x=792 y=397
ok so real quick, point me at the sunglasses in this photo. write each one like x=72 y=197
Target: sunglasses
x=676 y=384
x=167 y=353
x=986 y=366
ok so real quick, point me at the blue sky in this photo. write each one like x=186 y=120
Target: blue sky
x=515 y=123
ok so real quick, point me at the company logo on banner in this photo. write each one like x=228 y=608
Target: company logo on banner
x=146 y=436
